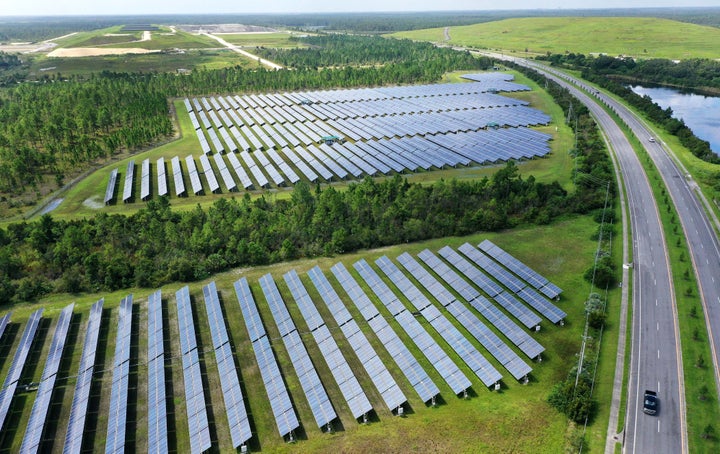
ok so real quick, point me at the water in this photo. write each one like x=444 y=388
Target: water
x=700 y=113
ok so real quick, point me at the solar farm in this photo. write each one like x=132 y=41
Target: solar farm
x=261 y=141
x=409 y=303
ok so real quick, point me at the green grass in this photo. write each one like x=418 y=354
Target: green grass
x=279 y=39
x=636 y=37
x=164 y=40
x=493 y=416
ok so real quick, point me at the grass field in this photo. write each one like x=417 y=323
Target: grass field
x=505 y=421
x=636 y=37
x=157 y=62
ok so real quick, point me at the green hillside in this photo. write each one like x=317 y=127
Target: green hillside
x=637 y=37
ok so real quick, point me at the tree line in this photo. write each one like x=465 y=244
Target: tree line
x=340 y=50
x=158 y=245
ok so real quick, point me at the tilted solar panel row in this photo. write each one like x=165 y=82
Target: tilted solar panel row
x=78 y=409
x=38 y=415
x=232 y=393
x=532 y=277
x=502 y=322
x=492 y=343
x=283 y=411
x=317 y=397
x=157 y=407
x=199 y=429
x=407 y=363
x=117 y=413
x=447 y=369
x=342 y=373
x=485 y=371
x=378 y=373
x=110 y=189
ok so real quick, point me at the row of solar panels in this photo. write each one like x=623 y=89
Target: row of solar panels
x=502 y=267
x=341 y=161
x=484 y=83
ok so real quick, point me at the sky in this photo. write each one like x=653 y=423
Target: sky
x=130 y=7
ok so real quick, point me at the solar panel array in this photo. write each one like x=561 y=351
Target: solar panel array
x=178 y=177
x=232 y=394
x=194 y=395
x=129 y=176
x=343 y=374
x=194 y=175
x=375 y=368
x=516 y=266
x=117 y=414
x=161 y=177
x=11 y=381
x=81 y=398
x=485 y=371
x=491 y=288
x=509 y=280
x=157 y=408
x=445 y=366
x=277 y=392
x=393 y=129
x=38 y=415
x=502 y=322
x=492 y=343
x=317 y=397
x=405 y=360
x=209 y=173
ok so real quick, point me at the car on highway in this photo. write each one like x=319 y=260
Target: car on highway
x=650 y=402
x=651 y=139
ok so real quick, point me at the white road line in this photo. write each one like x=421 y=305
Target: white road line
x=658 y=326
x=658 y=354
x=658 y=426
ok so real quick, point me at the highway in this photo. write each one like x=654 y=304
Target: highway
x=655 y=358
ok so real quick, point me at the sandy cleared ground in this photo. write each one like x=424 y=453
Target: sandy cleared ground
x=97 y=52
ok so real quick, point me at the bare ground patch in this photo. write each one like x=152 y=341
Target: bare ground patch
x=97 y=52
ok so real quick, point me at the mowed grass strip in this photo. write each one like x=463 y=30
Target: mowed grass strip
x=639 y=37
x=494 y=417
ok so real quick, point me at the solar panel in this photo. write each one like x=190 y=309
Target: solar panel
x=3 y=323
x=502 y=322
x=209 y=173
x=485 y=371
x=157 y=407
x=447 y=369
x=516 y=266
x=277 y=393
x=317 y=397
x=378 y=373
x=128 y=187
x=117 y=413
x=232 y=394
x=194 y=176
x=78 y=409
x=110 y=189
x=342 y=373
x=145 y=181
x=21 y=354
x=506 y=300
x=492 y=343
x=178 y=177
x=33 y=433
x=194 y=396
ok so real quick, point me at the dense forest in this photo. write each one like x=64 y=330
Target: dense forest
x=61 y=124
x=341 y=50
x=609 y=73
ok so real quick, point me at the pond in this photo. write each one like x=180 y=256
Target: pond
x=699 y=112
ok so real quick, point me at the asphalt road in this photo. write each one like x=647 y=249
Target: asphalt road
x=655 y=358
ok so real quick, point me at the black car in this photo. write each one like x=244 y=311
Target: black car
x=650 y=402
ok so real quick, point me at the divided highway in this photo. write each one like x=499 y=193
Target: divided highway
x=656 y=360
